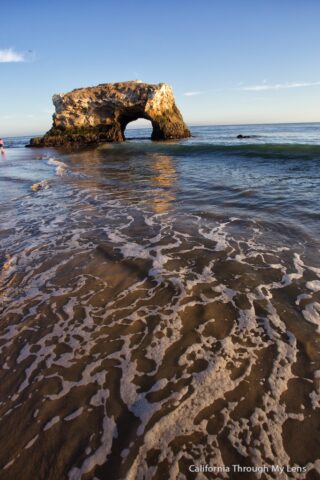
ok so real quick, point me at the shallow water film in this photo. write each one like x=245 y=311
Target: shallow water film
x=160 y=311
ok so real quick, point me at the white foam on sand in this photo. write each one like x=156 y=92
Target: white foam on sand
x=51 y=422
x=313 y=285
x=89 y=321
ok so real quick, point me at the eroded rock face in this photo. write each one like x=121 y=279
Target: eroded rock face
x=101 y=114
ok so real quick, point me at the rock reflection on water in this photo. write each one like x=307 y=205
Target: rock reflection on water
x=137 y=339
x=164 y=179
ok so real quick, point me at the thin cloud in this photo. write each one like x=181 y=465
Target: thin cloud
x=278 y=86
x=9 y=55
x=192 y=94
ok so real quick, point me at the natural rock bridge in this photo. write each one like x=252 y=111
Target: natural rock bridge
x=101 y=114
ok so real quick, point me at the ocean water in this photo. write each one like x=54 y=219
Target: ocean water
x=160 y=307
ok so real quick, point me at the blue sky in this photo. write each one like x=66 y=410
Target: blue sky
x=229 y=62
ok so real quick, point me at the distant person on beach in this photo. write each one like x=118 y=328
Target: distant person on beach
x=1 y=146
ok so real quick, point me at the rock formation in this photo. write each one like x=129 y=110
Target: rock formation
x=101 y=114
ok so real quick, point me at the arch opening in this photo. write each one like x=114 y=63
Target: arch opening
x=137 y=128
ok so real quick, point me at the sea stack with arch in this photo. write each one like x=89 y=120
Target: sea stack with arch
x=101 y=113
